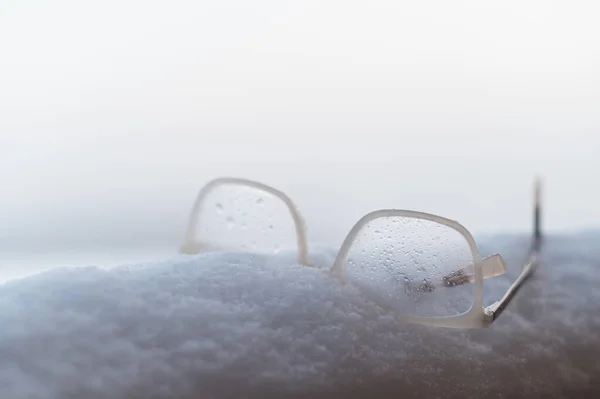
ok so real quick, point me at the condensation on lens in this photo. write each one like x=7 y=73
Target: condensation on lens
x=402 y=262
x=240 y=217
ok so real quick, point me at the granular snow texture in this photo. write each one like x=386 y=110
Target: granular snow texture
x=240 y=325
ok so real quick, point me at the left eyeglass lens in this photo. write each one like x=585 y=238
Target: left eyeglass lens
x=238 y=217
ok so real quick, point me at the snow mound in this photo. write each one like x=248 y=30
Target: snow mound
x=240 y=325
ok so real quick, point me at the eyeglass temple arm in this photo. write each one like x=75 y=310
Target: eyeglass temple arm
x=491 y=266
x=532 y=261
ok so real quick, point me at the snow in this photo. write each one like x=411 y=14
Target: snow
x=241 y=325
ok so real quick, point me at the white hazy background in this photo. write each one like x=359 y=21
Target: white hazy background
x=113 y=114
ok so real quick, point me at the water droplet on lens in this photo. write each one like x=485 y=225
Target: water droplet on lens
x=230 y=222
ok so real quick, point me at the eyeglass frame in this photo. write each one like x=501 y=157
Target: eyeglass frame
x=477 y=316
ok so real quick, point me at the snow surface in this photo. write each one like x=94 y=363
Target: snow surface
x=240 y=325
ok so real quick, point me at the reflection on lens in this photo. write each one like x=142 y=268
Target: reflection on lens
x=412 y=265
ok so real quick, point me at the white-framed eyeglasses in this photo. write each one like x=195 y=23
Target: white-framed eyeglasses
x=425 y=268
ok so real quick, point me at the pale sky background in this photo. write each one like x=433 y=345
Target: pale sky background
x=113 y=114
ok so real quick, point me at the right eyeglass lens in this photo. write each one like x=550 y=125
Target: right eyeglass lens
x=412 y=265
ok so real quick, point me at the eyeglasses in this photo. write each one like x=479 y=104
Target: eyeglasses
x=425 y=268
